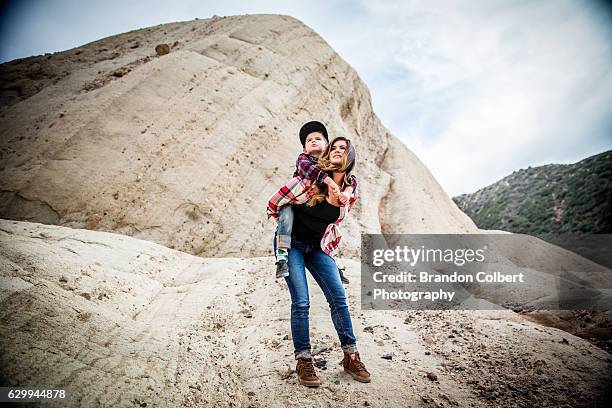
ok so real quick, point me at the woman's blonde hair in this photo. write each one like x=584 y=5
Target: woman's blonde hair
x=346 y=165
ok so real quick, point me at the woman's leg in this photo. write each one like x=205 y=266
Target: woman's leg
x=300 y=302
x=325 y=272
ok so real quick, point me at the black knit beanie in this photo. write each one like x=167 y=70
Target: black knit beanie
x=310 y=127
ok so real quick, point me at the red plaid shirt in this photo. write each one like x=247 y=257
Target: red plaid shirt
x=305 y=167
x=298 y=191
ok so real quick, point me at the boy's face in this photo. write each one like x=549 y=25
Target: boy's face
x=315 y=143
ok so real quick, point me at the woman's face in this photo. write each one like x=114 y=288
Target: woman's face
x=337 y=152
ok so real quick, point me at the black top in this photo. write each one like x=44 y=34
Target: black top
x=310 y=223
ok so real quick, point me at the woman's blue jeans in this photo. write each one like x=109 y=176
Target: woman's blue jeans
x=325 y=272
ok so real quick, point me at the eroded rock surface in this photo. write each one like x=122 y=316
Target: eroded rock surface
x=119 y=321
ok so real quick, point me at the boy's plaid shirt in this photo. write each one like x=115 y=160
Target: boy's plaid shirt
x=305 y=166
x=298 y=191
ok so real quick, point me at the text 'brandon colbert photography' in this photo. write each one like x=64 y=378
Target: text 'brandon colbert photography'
x=427 y=277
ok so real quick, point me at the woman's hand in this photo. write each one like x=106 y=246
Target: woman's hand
x=344 y=198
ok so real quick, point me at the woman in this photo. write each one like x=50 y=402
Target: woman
x=315 y=238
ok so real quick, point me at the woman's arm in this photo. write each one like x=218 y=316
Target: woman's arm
x=352 y=183
x=352 y=200
x=350 y=192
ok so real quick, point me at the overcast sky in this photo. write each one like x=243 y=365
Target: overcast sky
x=476 y=88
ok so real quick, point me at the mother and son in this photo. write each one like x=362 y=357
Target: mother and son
x=308 y=210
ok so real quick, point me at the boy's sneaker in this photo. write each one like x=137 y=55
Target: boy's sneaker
x=343 y=278
x=306 y=372
x=282 y=269
x=355 y=368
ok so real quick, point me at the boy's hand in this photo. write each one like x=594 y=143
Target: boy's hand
x=333 y=187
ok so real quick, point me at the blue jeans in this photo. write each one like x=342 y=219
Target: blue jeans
x=282 y=238
x=325 y=272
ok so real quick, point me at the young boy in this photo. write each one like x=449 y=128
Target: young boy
x=313 y=136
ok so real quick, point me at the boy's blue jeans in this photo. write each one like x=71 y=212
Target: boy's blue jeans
x=284 y=228
x=325 y=272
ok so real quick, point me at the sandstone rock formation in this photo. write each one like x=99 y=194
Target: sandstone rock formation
x=184 y=149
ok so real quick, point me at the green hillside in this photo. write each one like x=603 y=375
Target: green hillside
x=550 y=199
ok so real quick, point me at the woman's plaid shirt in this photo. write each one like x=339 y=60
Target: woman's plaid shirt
x=298 y=191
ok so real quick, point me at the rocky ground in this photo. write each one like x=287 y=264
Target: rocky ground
x=122 y=322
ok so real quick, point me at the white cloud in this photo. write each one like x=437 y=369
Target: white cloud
x=476 y=89
x=479 y=89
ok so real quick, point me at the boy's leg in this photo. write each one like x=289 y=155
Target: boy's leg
x=283 y=240
x=285 y=226
x=282 y=262
x=274 y=243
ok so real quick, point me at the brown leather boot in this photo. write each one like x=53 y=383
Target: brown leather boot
x=306 y=372
x=355 y=368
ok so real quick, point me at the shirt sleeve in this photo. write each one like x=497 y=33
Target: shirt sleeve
x=355 y=195
x=353 y=182
x=285 y=195
x=306 y=169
